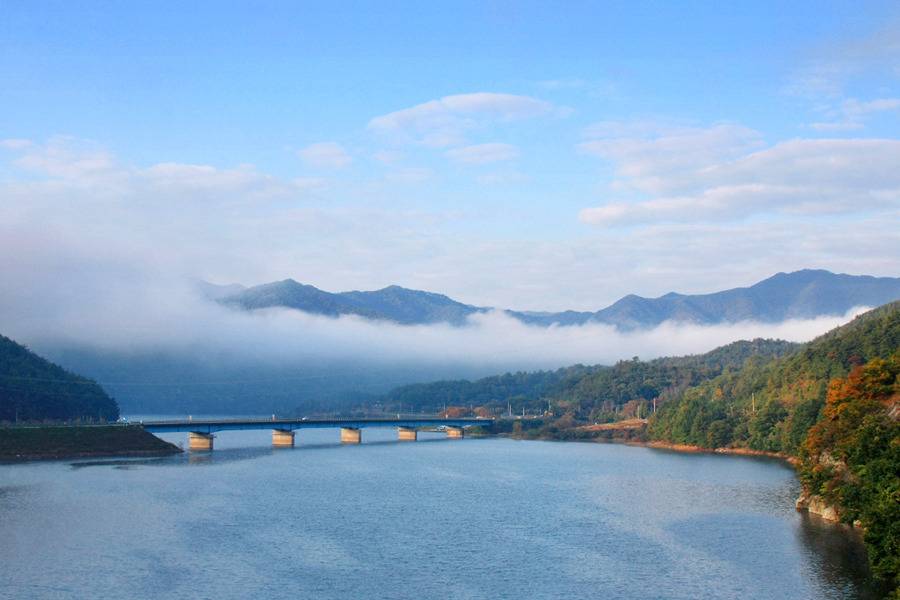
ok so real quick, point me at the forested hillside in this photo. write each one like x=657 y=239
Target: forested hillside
x=597 y=393
x=522 y=390
x=34 y=389
x=851 y=458
x=634 y=386
x=771 y=405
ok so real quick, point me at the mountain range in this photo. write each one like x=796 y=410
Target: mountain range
x=797 y=295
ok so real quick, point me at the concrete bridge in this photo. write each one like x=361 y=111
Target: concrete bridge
x=201 y=431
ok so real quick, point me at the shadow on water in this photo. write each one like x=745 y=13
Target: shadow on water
x=192 y=458
x=227 y=455
x=840 y=556
x=120 y=463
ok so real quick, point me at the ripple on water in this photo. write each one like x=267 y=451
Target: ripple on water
x=488 y=518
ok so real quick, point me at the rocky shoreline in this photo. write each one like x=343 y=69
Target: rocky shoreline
x=699 y=449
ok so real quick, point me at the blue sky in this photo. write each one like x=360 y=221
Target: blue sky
x=529 y=155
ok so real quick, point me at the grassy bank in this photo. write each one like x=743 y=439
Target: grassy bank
x=61 y=442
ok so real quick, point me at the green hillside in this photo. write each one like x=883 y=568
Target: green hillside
x=596 y=393
x=34 y=389
x=633 y=385
x=771 y=405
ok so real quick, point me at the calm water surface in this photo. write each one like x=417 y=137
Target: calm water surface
x=477 y=518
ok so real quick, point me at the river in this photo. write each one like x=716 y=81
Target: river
x=437 y=518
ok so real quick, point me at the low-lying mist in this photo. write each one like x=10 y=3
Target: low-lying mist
x=160 y=345
x=129 y=317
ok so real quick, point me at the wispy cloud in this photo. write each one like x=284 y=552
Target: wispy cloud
x=15 y=144
x=325 y=155
x=831 y=67
x=654 y=158
x=481 y=154
x=703 y=175
x=408 y=175
x=445 y=121
x=851 y=113
x=502 y=177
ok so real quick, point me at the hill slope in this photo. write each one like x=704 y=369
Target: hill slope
x=771 y=406
x=34 y=389
x=596 y=392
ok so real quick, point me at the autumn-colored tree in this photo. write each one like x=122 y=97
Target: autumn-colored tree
x=852 y=457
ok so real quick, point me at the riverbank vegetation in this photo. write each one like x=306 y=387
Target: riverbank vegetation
x=851 y=457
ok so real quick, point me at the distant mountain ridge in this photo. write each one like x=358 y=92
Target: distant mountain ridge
x=799 y=295
x=393 y=303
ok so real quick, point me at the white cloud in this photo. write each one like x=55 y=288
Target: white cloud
x=388 y=157
x=444 y=122
x=63 y=157
x=851 y=113
x=15 y=144
x=836 y=64
x=502 y=177
x=325 y=155
x=697 y=175
x=480 y=154
x=408 y=175
x=656 y=158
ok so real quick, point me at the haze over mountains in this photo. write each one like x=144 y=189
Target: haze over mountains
x=798 y=295
x=287 y=347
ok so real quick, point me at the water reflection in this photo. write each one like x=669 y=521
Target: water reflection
x=482 y=518
x=838 y=554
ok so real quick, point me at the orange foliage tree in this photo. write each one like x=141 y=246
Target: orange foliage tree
x=852 y=458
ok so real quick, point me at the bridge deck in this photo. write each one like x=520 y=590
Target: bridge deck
x=214 y=425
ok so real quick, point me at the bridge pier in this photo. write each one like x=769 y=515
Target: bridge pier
x=456 y=433
x=202 y=442
x=407 y=434
x=351 y=435
x=282 y=438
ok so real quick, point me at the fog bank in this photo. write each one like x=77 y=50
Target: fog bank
x=133 y=316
